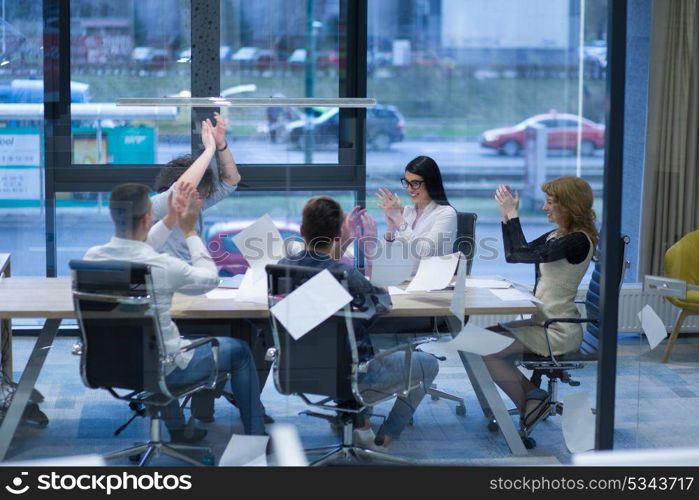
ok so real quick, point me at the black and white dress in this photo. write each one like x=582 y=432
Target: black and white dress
x=561 y=263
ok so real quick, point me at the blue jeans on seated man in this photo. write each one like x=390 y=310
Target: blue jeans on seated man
x=234 y=356
x=388 y=374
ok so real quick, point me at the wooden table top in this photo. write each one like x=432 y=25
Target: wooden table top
x=51 y=298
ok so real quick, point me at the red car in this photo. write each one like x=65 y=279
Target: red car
x=562 y=132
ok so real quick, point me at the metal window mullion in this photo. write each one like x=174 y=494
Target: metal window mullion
x=611 y=226
x=57 y=144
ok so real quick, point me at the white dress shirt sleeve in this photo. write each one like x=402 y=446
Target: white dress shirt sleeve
x=201 y=276
x=158 y=235
x=430 y=242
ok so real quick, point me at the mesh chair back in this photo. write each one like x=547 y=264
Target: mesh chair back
x=592 y=302
x=321 y=362
x=118 y=324
x=466 y=237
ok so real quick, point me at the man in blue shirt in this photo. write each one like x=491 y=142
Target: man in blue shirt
x=327 y=233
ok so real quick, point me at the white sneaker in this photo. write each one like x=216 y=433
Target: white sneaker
x=364 y=438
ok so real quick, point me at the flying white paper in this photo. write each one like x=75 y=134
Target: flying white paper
x=578 y=423
x=245 y=450
x=253 y=288
x=487 y=283
x=434 y=273
x=458 y=298
x=513 y=295
x=222 y=294
x=310 y=304
x=652 y=325
x=392 y=265
x=260 y=243
x=394 y=290
x=287 y=446
x=471 y=339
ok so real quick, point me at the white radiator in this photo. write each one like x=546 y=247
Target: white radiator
x=631 y=300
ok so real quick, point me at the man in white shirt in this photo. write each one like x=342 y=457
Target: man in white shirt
x=135 y=240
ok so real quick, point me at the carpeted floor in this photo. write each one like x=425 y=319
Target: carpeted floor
x=656 y=406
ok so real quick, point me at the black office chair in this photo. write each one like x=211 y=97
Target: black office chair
x=122 y=348
x=325 y=362
x=466 y=244
x=466 y=237
x=557 y=368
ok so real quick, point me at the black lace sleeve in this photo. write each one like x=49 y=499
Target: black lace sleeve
x=573 y=247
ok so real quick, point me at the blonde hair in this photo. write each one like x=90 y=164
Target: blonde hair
x=573 y=199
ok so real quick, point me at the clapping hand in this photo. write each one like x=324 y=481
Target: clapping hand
x=188 y=206
x=391 y=206
x=207 y=135
x=218 y=130
x=509 y=205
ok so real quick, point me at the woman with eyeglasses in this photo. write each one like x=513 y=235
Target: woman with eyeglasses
x=429 y=223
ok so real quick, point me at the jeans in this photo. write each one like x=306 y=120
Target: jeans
x=234 y=356
x=388 y=374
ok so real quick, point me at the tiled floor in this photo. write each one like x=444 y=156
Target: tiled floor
x=656 y=406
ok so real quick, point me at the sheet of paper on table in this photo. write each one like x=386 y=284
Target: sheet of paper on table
x=310 y=304
x=487 y=283
x=222 y=294
x=394 y=290
x=231 y=282
x=513 y=295
x=434 y=273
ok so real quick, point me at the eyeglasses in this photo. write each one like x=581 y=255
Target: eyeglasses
x=413 y=184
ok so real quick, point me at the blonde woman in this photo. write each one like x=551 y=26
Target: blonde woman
x=561 y=258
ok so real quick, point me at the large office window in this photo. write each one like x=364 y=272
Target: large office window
x=282 y=48
x=128 y=49
x=22 y=231
x=497 y=92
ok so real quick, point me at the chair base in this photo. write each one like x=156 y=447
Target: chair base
x=155 y=447
x=147 y=451
x=435 y=394
x=353 y=454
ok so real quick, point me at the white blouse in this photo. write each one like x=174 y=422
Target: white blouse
x=434 y=233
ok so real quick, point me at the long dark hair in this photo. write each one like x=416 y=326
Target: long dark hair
x=427 y=168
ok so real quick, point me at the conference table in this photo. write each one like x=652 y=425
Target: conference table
x=50 y=298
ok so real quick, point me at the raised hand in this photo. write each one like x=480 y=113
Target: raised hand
x=207 y=135
x=368 y=240
x=508 y=204
x=218 y=130
x=392 y=208
x=189 y=207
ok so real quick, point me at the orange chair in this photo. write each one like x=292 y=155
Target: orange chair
x=682 y=263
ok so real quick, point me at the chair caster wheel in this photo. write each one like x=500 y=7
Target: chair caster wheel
x=529 y=443
x=493 y=426
x=208 y=460
x=434 y=398
x=461 y=410
x=135 y=458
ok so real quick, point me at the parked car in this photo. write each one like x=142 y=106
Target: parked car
x=150 y=57
x=325 y=59
x=225 y=253
x=385 y=125
x=562 y=133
